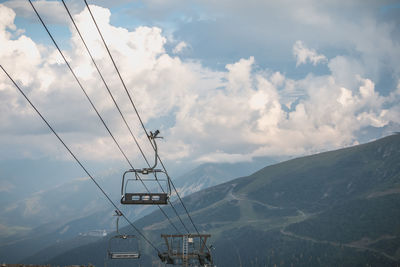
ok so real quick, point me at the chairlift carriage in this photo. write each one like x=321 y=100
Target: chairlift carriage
x=140 y=176
x=118 y=244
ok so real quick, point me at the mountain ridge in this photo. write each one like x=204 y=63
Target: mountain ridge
x=273 y=216
x=44 y=237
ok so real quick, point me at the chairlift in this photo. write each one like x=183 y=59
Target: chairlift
x=117 y=244
x=140 y=176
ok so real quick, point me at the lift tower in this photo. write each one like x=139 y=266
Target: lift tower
x=187 y=250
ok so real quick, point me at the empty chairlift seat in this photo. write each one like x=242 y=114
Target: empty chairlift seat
x=124 y=255
x=145 y=179
x=157 y=189
x=122 y=246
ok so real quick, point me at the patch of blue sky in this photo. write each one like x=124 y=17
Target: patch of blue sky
x=387 y=82
x=130 y=16
x=217 y=48
x=165 y=121
x=134 y=14
x=292 y=101
x=389 y=8
x=121 y=15
x=391 y=14
x=38 y=34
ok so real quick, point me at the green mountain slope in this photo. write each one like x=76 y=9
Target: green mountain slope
x=339 y=208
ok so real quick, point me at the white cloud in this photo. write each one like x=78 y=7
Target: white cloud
x=7 y=19
x=205 y=115
x=252 y=120
x=304 y=55
x=224 y=157
x=14 y=52
x=180 y=47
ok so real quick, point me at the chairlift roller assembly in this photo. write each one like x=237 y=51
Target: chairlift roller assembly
x=146 y=175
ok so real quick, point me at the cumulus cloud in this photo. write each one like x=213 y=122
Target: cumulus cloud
x=180 y=47
x=304 y=54
x=205 y=115
x=253 y=120
x=220 y=156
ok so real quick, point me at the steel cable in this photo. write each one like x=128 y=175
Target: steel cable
x=90 y=101
x=79 y=162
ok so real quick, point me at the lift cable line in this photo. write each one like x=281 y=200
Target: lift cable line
x=115 y=103
x=119 y=110
x=102 y=77
x=137 y=113
x=79 y=162
x=93 y=106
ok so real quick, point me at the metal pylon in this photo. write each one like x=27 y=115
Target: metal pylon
x=185 y=249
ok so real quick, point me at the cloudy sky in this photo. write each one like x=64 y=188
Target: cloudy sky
x=224 y=81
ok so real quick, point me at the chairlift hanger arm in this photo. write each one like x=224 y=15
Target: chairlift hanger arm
x=152 y=137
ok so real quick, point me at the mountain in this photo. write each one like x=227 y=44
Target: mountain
x=339 y=208
x=52 y=194
x=211 y=174
x=50 y=239
x=34 y=226
x=29 y=200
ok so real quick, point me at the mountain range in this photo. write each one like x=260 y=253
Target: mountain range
x=337 y=208
x=44 y=223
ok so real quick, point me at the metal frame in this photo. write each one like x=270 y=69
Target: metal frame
x=186 y=254
x=121 y=254
x=146 y=198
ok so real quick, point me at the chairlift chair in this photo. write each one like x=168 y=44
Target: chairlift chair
x=122 y=254
x=144 y=198
x=117 y=241
x=141 y=176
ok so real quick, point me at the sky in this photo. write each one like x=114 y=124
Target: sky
x=224 y=81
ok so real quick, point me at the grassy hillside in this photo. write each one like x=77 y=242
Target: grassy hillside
x=339 y=208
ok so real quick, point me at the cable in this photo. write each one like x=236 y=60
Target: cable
x=78 y=161
x=93 y=106
x=141 y=121
x=116 y=68
x=101 y=75
x=118 y=108
x=77 y=80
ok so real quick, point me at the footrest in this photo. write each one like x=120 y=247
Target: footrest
x=124 y=255
x=145 y=199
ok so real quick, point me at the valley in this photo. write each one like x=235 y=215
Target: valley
x=334 y=208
